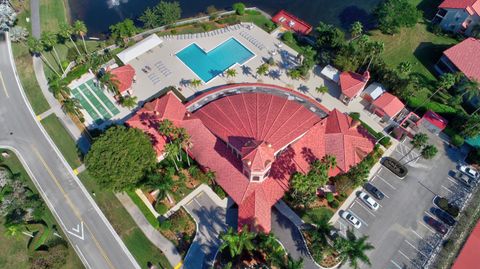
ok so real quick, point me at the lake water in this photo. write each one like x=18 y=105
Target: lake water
x=99 y=14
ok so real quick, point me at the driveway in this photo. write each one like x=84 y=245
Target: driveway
x=397 y=229
x=211 y=221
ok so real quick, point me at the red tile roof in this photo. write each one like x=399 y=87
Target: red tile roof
x=124 y=75
x=255 y=199
x=468 y=257
x=291 y=22
x=352 y=83
x=466 y=56
x=435 y=119
x=258 y=155
x=469 y=5
x=389 y=104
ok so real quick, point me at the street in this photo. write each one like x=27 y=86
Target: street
x=85 y=226
x=397 y=229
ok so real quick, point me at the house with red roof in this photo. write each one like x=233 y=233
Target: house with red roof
x=433 y=122
x=462 y=16
x=351 y=85
x=463 y=57
x=387 y=106
x=254 y=137
x=292 y=23
x=124 y=76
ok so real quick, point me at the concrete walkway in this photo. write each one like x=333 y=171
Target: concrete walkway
x=82 y=141
x=162 y=243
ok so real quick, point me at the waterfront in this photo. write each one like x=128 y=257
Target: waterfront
x=99 y=14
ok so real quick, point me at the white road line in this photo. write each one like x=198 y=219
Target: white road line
x=82 y=257
x=416 y=248
x=394 y=263
x=424 y=225
x=366 y=224
x=351 y=205
x=421 y=237
x=447 y=189
x=452 y=180
x=3 y=84
x=386 y=182
x=366 y=209
x=429 y=214
x=406 y=257
x=386 y=195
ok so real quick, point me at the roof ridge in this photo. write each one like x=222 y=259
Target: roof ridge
x=269 y=108
x=285 y=100
x=248 y=115
x=238 y=116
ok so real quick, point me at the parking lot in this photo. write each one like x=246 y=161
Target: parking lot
x=397 y=229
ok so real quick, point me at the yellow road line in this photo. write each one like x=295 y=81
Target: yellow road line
x=178 y=265
x=3 y=84
x=69 y=202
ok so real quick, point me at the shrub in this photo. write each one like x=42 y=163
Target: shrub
x=287 y=37
x=239 y=8
x=252 y=12
x=329 y=197
x=457 y=140
x=342 y=197
x=334 y=204
x=385 y=141
x=161 y=208
x=219 y=191
x=165 y=225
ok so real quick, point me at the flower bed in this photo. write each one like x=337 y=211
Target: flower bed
x=180 y=229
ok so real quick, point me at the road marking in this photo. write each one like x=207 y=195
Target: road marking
x=394 y=263
x=366 y=224
x=416 y=248
x=386 y=195
x=452 y=180
x=178 y=265
x=69 y=202
x=386 y=182
x=421 y=237
x=351 y=205
x=78 y=232
x=3 y=84
x=447 y=189
x=406 y=257
x=366 y=209
x=424 y=225
x=82 y=257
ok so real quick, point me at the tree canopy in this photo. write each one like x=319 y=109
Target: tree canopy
x=393 y=14
x=120 y=157
x=123 y=30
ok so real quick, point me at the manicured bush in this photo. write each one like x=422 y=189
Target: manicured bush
x=239 y=8
x=457 y=140
x=385 y=141
x=329 y=197
x=287 y=37
x=161 y=208
x=334 y=204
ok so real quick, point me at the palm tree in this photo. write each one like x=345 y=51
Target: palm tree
x=471 y=127
x=12 y=230
x=375 y=48
x=469 y=88
x=211 y=176
x=110 y=82
x=231 y=72
x=404 y=68
x=36 y=47
x=237 y=242
x=49 y=40
x=161 y=182
x=330 y=161
x=322 y=229
x=428 y=152
x=171 y=151
x=419 y=140
x=321 y=89
x=166 y=128
x=185 y=142
x=446 y=81
x=66 y=31
x=262 y=70
x=291 y=263
x=18 y=34
x=59 y=88
x=80 y=29
x=195 y=83
x=71 y=106
x=356 y=29
x=129 y=102
x=352 y=249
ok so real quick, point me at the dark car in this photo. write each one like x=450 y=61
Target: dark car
x=374 y=191
x=443 y=216
x=435 y=224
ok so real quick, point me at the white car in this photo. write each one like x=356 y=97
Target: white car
x=369 y=201
x=469 y=171
x=352 y=219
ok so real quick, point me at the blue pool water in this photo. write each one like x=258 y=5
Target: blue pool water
x=209 y=65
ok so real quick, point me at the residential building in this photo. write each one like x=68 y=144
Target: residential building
x=124 y=76
x=433 y=122
x=463 y=57
x=387 y=106
x=351 y=84
x=460 y=16
x=254 y=137
x=372 y=92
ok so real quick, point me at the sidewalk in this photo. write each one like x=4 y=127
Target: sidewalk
x=153 y=235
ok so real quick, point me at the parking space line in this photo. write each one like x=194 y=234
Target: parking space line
x=386 y=182
x=424 y=225
x=394 y=263
x=429 y=214
x=366 y=224
x=410 y=260
x=416 y=248
x=452 y=180
x=447 y=189
x=351 y=205
x=366 y=209
x=386 y=195
x=419 y=236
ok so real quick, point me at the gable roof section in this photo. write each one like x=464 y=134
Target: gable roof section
x=389 y=103
x=469 y=5
x=466 y=57
x=258 y=155
x=435 y=119
x=124 y=75
x=352 y=83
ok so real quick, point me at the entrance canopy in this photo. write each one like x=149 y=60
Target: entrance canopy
x=140 y=48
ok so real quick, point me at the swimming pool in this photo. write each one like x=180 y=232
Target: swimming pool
x=208 y=65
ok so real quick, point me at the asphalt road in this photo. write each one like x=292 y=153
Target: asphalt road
x=87 y=229
x=397 y=229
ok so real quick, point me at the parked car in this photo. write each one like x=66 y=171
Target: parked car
x=443 y=216
x=374 y=191
x=369 y=201
x=435 y=224
x=464 y=179
x=469 y=171
x=352 y=219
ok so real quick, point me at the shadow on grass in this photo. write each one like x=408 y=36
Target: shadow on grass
x=428 y=54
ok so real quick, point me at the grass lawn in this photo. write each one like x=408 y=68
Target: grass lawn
x=317 y=213
x=139 y=245
x=62 y=139
x=416 y=45
x=14 y=249
x=52 y=14
x=141 y=205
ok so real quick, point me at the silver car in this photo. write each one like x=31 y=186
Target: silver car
x=369 y=201
x=352 y=219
